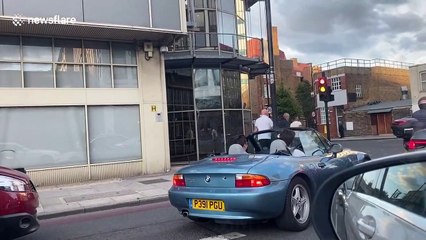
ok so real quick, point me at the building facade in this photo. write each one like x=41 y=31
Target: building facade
x=82 y=87
x=288 y=74
x=356 y=83
x=207 y=79
x=418 y=84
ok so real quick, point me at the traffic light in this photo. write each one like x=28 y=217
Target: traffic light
x=322 y=89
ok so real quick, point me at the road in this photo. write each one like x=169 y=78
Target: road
x=153 y=221
x=161 y=221
x=376 y=148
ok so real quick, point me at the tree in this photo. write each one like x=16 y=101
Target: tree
x=304 y=98
x=286 y=103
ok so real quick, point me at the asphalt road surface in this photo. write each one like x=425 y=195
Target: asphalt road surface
x=376 y=148
x=153 y=221
x=162 y=221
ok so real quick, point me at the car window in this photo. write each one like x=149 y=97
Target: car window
x=311 y=143
x=405 y=187
x=367 y=183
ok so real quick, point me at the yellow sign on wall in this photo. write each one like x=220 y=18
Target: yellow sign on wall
x=153 y=108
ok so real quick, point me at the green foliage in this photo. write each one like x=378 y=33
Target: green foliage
x=287 y=103
x=303 y=96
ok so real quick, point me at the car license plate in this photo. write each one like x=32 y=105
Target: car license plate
x=205 y=204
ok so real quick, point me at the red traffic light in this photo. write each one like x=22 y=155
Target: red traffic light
x=322 y=85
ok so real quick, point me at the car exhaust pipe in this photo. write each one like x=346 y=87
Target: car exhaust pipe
x=24 y=223
x=184 y=213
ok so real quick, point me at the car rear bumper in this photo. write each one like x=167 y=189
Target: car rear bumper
x=17 y=225
x=240 y=203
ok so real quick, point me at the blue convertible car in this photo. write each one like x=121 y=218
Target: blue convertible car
x=267 y=182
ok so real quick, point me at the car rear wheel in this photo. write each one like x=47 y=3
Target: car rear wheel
x=297 y=207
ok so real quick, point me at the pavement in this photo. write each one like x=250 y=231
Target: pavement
x=368 y=137
x=63 y=200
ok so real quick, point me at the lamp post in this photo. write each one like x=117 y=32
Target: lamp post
x=271 y=71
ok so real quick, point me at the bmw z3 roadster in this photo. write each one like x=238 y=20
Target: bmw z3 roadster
x=275 y=177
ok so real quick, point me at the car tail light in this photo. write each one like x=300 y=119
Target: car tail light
x=250 y=180
x=224 y=159
x=414 y=144
x=399 y=122
x=10 y=184
x=178 y=180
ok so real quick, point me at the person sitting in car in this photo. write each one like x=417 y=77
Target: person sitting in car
x=287 y=136
x=240 y=146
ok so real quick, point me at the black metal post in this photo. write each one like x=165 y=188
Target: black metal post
x=327 y=124
x=271 y=74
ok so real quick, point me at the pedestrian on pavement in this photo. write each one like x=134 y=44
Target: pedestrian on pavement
x=284 y=122
x=296 y=123
x=312 y=121
x=420 y=114
x=341 y=130
x=264 y=123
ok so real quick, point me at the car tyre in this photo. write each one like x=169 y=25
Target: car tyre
x=297 y=207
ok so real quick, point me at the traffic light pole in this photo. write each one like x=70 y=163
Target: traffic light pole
x=327 y=124
x=271 y=72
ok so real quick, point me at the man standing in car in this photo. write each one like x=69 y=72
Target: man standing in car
x=264 y=123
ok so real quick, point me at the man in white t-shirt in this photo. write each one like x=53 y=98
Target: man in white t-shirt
x=264 y=123
x=296 y=123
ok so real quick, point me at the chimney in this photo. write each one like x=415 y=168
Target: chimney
x=404 y=92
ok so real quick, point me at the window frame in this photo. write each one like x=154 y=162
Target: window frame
x=83 y=64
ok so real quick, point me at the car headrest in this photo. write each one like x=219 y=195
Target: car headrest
x=277 y=145
x=236 y=149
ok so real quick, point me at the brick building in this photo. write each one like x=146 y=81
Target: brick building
x=288 y=74
x=356 y=83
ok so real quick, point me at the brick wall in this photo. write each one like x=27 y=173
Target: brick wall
x=361 y=122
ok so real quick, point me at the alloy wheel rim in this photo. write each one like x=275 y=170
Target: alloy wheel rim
x=300 y=205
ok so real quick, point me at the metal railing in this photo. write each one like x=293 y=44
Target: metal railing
x=222 y=43
x=362 y=63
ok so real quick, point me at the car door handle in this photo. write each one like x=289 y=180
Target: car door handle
x=367 y=226
x=321 y=164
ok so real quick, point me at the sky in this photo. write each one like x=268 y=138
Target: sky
x=319 y=31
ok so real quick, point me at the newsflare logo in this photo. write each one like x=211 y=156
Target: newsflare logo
x=19 y=20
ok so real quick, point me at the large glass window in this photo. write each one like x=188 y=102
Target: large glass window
x=233 y=126
x=123 y=53
x=210 y=133
x=40 y=59
x=207 y=88
x=231 y=89
x=96 y=52
x=38 y=75
x=10 y=48
x=245 y=91
x=39 y=137
x=98 y=76
x=37 y=49
x=114 y=133
x=68 y=51
x=226 y=27
x=180 y=94
x=69 y=76
x=10 y=75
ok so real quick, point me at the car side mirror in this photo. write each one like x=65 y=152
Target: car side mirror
x=335 y=212
x=336 y=148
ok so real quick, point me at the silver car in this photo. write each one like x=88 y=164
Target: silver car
x=389 y=203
